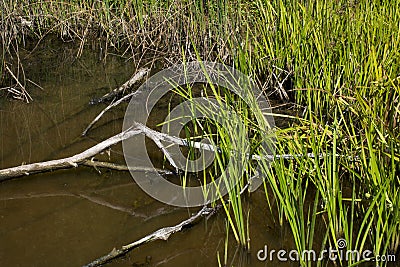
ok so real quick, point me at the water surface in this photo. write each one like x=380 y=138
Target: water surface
x=71 y=217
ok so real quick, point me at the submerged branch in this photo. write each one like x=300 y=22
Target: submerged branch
x=160 y=234
x=139 y=75
x=119 y=167
x=98 y=200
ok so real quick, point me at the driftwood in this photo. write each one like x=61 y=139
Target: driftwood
x=69 y=162
x=161 y=234
x=83 y=157
x=117 y=91
x=137 y=77
x=137 y=128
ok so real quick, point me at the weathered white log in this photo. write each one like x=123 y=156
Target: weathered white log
x=83 y=157
x=69 y=162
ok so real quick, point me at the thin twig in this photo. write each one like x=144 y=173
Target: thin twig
x=37 y=85
x=128 y=84
x=23 y=92
x=166 y=153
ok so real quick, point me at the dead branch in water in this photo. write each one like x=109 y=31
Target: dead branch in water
x=160 y=234
x=137 y=128
x=135 y=78
x=83 y=157
x=73 y=161
x=139 y=75
x=118 y=167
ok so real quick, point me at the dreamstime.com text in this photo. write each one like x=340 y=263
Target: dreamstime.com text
x=334 y=254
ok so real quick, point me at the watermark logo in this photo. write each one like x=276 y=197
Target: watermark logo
x=338 y=253
x=157 y=86
x=341 y=243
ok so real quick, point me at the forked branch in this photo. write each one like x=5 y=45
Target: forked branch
x=138 y=76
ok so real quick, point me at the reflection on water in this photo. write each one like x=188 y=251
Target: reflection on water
x=70 y=217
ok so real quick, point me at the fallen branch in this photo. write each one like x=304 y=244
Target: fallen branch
x=82 y=158
x=137 y=128
x=119 y=167
x=69 y=162
x=154 y=135
x=129 y=83
x=161 y=234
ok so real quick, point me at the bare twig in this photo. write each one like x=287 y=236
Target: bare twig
x=23 y=91
x=37 y=85
x=166 y=153
x=128 y=84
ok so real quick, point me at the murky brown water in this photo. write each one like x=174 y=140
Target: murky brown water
x=70 y=217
